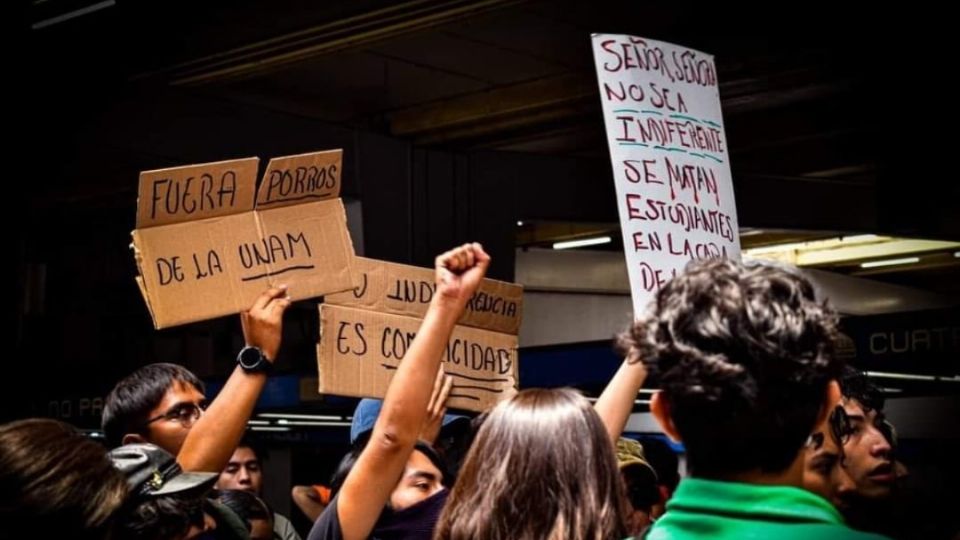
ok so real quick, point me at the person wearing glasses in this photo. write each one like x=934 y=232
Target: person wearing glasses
x=823 y=472
x=164 y=404
x=869 y=447
x=394 y=485
x=878 y=498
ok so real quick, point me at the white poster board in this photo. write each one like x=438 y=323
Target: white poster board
x=661 y=108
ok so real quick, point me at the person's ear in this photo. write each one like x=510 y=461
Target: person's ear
x=660 y=408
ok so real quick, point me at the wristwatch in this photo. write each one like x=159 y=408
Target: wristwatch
x=252 y=360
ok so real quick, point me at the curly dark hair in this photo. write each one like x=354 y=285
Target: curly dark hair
x=854 y=384
x=743 y=354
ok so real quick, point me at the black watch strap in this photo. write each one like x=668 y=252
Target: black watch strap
x=252 y=360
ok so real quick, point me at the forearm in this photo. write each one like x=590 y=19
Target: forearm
x=405 y=404
x=216 y=434
x=616 y=402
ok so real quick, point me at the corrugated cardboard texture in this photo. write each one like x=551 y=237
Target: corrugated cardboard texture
x=302 y=178
x=360 y=350
x=182 y=194
x=406 y=290
x=211 y=267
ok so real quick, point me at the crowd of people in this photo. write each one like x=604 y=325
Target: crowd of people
x=780 y=438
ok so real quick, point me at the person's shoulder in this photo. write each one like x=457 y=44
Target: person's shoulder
x=327 y=526
x=283 y=527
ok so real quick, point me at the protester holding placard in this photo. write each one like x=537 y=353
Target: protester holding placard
x=369 y=505
x=164 y=403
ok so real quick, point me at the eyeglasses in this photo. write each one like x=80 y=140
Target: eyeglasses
x=840 y=430
x=185 y=413
x=887 y=430
x=815 y=441
x=840 y=426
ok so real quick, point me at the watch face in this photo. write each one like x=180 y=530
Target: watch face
x=250 y=357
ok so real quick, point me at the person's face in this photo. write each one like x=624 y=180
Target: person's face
x=867 y=455
x=822 y=472
x=420 y=480
x=242 y=472
x=174 y=416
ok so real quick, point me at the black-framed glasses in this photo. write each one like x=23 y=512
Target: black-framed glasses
x=887 y=430
x=841 y=428
x=815 y=440
x=185 y=413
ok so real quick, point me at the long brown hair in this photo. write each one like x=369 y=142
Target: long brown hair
x=541 y=467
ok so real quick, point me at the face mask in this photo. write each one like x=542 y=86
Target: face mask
x=414 y=523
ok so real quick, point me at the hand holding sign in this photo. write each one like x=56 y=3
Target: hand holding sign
x=206 y=247
x=366 y=333
x=263 y=322
x=459 y=273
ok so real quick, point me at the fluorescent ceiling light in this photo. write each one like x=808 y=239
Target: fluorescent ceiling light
x=73 y=14
x=569 y=244
x=846 y=249
x=309 y=423
x=890 y=262
x=299 y=416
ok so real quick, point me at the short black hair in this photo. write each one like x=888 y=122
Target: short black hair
x=343 y=469
x=131 y=400
x=640 y=484
x=743 y=354
x=244 y=504
x=349 y=459
x=160 y=518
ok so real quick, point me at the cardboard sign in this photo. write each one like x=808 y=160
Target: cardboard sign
x=203 y=250
x=305 y=177
x=661 y=107
x=195 y=192
x=407 y=290
x=359 y=351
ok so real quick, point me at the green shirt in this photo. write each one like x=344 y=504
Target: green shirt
x=710 y=509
